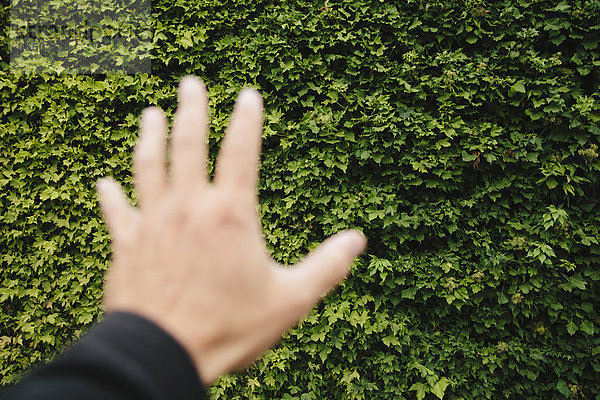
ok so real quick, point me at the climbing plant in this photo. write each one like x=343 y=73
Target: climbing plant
x=461 y=136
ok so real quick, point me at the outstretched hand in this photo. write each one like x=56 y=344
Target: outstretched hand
x=192 y=257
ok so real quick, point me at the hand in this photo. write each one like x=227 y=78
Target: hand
x=192 y=257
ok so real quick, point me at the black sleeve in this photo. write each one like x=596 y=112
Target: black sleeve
x=123 y=357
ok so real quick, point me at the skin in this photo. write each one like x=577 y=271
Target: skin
x=192 y=258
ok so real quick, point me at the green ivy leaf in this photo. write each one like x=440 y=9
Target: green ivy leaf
x=571 y=328
x=587 y=327
x=502 y=299
x=439 y=389
x=551 y=183
x=562 y=387
x=421 y=390
x=518 y=87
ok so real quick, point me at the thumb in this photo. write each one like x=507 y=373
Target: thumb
x=326 y=266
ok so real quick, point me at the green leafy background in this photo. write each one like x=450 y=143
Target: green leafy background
x=460 y=135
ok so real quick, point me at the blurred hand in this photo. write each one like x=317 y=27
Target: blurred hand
x=192 y=257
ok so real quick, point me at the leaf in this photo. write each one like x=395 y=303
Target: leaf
x=551 y=183
x=583 y=71
x=558 y=39
x=186 y=40
x=562 y=6
x=587 y=327
x=571 y=328
x=502 y=299
x=578 y=282
x=518 y=87
x=562 y=387
x=468 y=157
x=417 y=166
x=390 y=341
x=416 y=22
x=440 y=387
x=594 y=275
x=422 y=369
x=421 y=389
x=532 y=156
x=442 y=143
x=409 y=293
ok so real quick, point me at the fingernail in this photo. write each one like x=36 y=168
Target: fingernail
x=101 y=184
x=247 y=95
x=189 y=88
x=151 y=115
x=356 y=242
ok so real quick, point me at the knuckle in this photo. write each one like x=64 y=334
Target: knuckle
x=143 y=160
x=183 y=140
x=182 y=215
x=143 y=157
x=185 y=130
x=230 y=212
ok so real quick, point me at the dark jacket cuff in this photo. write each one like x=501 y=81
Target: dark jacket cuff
x=124 y=357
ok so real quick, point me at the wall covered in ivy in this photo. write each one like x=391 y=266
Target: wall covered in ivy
x=460 y=135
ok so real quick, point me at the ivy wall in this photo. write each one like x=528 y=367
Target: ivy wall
x=461 y=136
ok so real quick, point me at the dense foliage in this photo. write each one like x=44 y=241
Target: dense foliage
x=461 y=135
